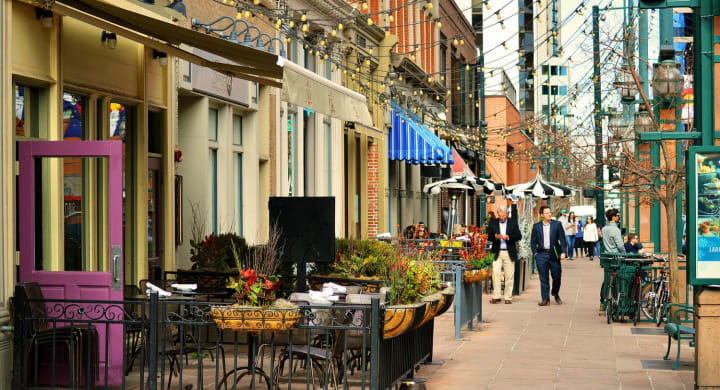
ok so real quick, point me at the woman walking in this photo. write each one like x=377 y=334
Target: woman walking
x=590 y=236
x=579 y=241
x=570 y=225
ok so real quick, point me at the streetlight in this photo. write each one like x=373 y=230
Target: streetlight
x=667 y=79
x=616 y=122
x=625 y=84
x=643 y=121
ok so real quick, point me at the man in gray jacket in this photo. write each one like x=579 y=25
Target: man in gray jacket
x=612 y=241
x=611 y=235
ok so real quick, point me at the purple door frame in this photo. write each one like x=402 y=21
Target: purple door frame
x=77 y=285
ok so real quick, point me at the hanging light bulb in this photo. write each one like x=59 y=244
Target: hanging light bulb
x=391 y=18
x=247 y=14
x=505 y=46
x=467 y=67
x=421 y=92
x=238 y=15
x=462 y=41
x=448 y=92
x=455 y=42
x=442 y=78
x=539 y=3
x=364 y=6
x=311 y=52
x=487 y=5
x=498 y=15
x=430 y=80
x=458 y=87
x=305 y=27
x=370 y=22
x=412 y=57
x=340 y=26
x=502 y=25
x=333 y=32
x=430 y=5
x=256 y=2
x=387 y=33
x=325 y=57
x=367 y=62
x=400 y=79
x=292 y=24
x=439 y=24
x=303 y=18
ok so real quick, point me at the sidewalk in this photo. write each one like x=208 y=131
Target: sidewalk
x=557 y=347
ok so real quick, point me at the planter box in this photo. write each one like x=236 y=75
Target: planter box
x=254 y=319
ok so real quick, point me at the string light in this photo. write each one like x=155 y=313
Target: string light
x=439 y=24
x=370 y=22
x=303 y=18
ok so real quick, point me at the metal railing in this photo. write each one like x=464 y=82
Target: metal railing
x=177 y=344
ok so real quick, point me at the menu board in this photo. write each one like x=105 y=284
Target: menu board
x=707 y=214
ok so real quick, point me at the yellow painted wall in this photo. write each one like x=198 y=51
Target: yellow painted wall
x=32 y=44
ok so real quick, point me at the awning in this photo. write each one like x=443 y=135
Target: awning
x=244 y=62
x=414 y=143
x=306 y=89
x=460 y=167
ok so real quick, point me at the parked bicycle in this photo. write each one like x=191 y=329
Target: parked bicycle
x=656 y=294
x=624 y=289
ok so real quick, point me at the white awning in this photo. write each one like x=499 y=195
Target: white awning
x=306 y=89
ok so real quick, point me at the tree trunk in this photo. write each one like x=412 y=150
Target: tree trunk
x=671 y=215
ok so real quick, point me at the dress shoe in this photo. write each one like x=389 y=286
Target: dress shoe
x=544 y=303
x=508 y=302
x=558 y=300
x=495 y=300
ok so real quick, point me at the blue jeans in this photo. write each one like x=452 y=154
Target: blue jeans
x=571 y=245
x=597 y=248
x=545 y=264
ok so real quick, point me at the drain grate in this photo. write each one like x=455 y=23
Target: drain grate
x=667 y=365
x=648 y=331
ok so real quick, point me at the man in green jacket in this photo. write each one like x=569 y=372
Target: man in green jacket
x=612 y=241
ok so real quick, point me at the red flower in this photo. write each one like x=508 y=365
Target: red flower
x=250 y=275
x=269 y=284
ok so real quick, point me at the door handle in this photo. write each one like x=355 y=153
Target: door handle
x=116 y=268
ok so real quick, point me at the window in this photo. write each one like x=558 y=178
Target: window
x=554 y=90
x=213 y=190
x=563 y=90
x=544 y=89
x=213 y=125
x=563 y=71
x=237 y=130
x=74 y=126
x=545 y=70
x=292 y=142
x=256 y=93
x=563 y=110
x=463 y=89
x=328 y=70
x=443 y=59
x=545 y=109
x=26 y=111
x=328 y=154
x=553 y=70
x=238 y=163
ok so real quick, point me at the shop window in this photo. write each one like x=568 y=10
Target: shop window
x=74 y=118
x=237 y=130
x=155 y=131
x=545 y=70
x=213 y=125
x=27 y=111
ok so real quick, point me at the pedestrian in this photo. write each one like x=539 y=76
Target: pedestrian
x=504 y=233
x=549 y=246
x=611 y=235
x=590 y=236
x=570 y=226
x=579 y=240
x=612 y=241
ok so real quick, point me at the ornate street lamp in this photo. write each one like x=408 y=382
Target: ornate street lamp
x=616 y=122
x=625 y=83
x=667 y=79
x=643 y=121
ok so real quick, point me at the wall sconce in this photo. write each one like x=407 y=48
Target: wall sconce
x=160 y=56
x=45 y=16
x=110 y=38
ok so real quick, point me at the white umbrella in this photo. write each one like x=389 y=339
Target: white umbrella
x=468 y=182
x=540 y=188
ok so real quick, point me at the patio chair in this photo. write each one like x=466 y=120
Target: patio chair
x=81 y=344
x=133 y=332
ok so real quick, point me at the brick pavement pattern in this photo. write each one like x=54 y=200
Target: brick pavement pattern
x=565 y=346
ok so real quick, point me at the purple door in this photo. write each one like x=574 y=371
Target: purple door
x=106 y=285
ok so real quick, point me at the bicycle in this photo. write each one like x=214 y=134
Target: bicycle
x=612 y=296
x=655 y=294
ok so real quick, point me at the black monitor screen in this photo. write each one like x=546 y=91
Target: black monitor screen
x=307 y=227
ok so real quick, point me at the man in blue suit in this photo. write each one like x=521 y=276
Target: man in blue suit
x=549 y=246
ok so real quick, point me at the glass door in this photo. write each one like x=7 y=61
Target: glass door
x=45 y=166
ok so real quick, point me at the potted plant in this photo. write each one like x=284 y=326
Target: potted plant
x=357 y=262
x=256 y=307
x=482 y=268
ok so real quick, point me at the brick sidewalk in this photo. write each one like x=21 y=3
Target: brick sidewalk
x=557 y=347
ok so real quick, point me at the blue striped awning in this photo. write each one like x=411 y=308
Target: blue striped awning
x=414 y=142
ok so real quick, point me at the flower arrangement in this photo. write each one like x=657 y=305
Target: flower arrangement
x=257 y=284
x=483 y=262
x=411 y=279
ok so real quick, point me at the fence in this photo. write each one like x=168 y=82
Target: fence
x=160 y=344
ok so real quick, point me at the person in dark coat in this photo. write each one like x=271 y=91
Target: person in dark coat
x=549 y=246
x=504 y=233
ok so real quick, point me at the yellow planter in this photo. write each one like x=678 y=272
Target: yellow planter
x=400 y=319
x=434 y=304
x=254 y=319
x=446 y=302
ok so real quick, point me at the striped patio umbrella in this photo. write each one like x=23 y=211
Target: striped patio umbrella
x=472 y=182
x=540 y=188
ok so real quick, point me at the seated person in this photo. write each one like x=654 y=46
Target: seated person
x=633 y=244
